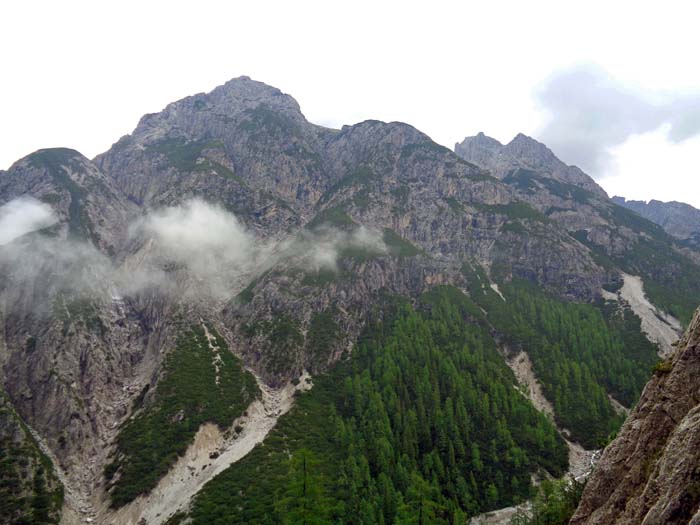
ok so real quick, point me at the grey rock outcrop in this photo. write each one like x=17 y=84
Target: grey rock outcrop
x=650 y=474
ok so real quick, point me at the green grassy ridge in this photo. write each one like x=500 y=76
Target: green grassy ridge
x=263 y=117
x=30 y=492
x=183 y=154
x=246 y=295
x=454 y=205
x=360 y=177
x=335 y=217
x=598 y=256
x=580 y=352
x=424 y=151
x=671 y=279
x=186 y=397
x=81 y=309
x=423 y=413
x=398 y=246
x=515 y=227
x=55 y=160
x=186 y=156
x=322 y=277
x=527 y=181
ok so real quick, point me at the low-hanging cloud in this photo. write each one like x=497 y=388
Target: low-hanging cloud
x=322 y=248
x=24 y=215
x=589 y=112
x=193 y=250
x=204 y=237
x=217 y=249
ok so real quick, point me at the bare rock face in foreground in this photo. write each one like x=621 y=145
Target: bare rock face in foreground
x=650 y=474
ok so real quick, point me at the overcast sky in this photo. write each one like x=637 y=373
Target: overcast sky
x=611 y=86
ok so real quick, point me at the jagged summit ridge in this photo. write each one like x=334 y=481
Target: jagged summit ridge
x=522 y=152
x=201 y=114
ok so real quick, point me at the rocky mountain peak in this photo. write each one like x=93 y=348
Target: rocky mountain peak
x=484 y=141
x=81 y=196
x=50 y=158
x=533 y=151
x=480 y=140
x=522 y=152
x=482 y=150
x=62 y=166
x=372 y=131
x=244 y=90
x=205 y=114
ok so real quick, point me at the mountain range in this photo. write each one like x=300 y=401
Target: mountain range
x=232 y=303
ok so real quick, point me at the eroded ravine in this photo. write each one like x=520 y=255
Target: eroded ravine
x=581 y=461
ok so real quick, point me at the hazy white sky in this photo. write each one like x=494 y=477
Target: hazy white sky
x=81 y=73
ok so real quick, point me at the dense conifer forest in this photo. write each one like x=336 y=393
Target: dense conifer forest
x=424 y=419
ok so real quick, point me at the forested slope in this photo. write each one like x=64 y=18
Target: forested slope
x=423 y=417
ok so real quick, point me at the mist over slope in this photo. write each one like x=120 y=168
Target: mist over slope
x=24 y=215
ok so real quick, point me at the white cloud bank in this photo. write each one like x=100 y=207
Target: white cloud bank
x=195 y=249
x=204 y=237
x=24 y=215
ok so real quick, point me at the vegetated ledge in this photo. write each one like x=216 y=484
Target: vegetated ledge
x=195 y=388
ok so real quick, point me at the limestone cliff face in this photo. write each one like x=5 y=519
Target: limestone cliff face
x=650 y=474
x=563 y=193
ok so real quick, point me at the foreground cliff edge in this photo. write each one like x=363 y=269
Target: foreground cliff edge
x=650 y=474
